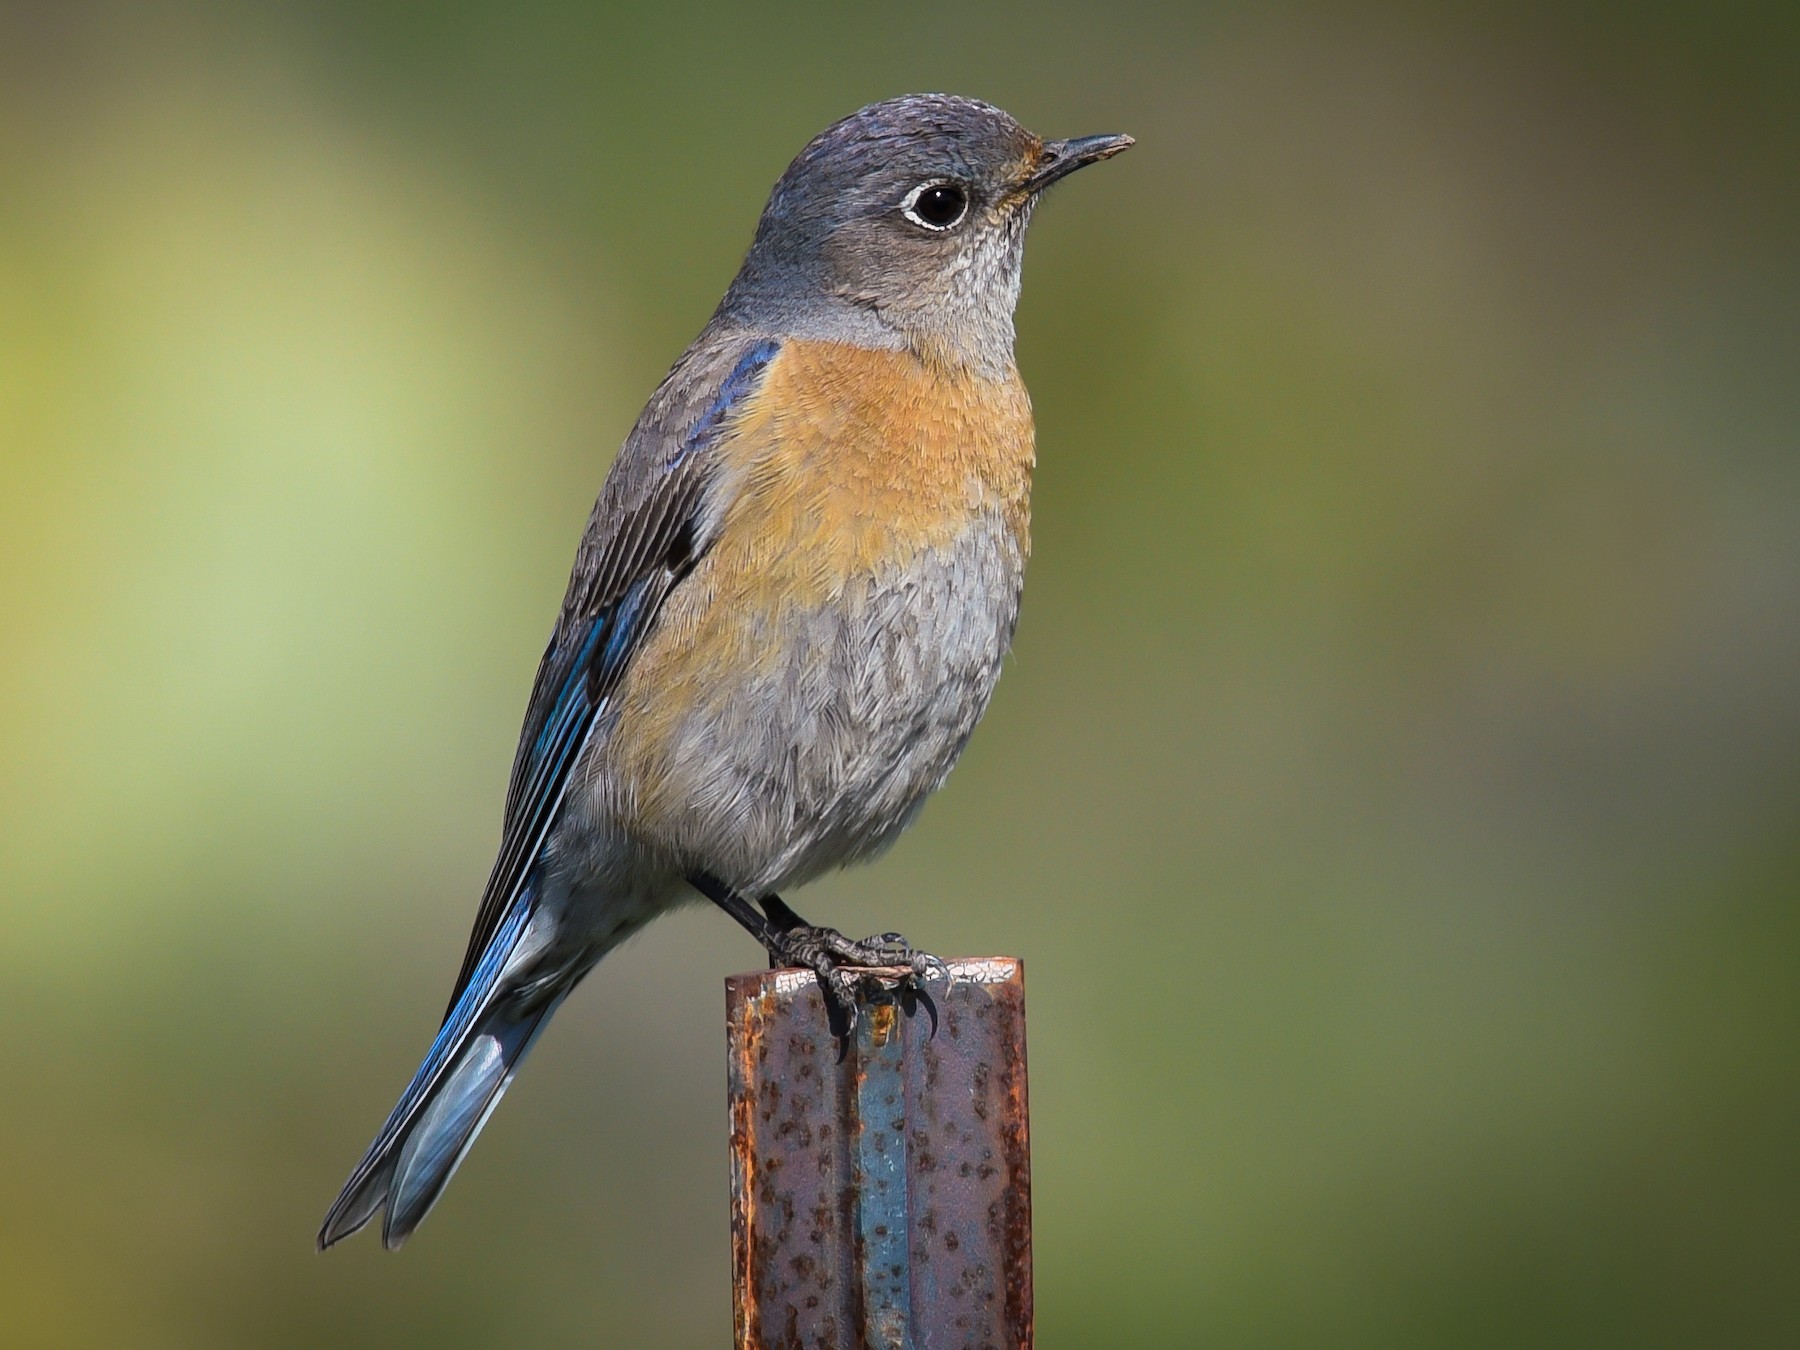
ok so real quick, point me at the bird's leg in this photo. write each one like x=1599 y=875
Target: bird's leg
x=843 y=966
x=779 y=914
x=739 y=908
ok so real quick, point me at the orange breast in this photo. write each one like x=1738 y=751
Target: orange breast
x=853 y=458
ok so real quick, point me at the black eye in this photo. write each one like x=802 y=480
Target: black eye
x=936 y=206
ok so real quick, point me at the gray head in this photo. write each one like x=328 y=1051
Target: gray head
x=903 y=225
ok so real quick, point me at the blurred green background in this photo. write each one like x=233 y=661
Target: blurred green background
x=1395 y=794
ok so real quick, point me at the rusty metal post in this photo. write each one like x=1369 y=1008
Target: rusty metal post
x=881 y=1201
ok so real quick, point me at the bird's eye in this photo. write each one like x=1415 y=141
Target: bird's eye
x=936 y=206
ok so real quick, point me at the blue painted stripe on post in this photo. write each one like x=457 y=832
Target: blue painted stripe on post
x=883 y=1228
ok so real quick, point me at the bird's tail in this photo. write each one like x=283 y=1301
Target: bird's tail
x=474 y=1057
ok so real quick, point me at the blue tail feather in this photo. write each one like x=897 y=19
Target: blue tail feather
x=439 y=1139
x=471 y=1062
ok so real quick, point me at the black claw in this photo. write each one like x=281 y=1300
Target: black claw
x=913 y=996
x=840 y=1011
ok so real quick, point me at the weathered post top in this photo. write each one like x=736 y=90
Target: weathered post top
x=881 y=1200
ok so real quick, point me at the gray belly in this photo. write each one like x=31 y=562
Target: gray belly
x=824 y=754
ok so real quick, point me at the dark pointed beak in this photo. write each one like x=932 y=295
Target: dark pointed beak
x=1062 y=158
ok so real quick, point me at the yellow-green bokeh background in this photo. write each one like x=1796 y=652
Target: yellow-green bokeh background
x=1395 y=794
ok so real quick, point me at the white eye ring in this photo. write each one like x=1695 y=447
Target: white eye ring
x=910 y=207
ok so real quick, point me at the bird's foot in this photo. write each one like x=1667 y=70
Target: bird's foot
x=846 y=970
x=849 y=971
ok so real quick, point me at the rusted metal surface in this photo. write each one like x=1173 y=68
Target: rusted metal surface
x=881 y=1201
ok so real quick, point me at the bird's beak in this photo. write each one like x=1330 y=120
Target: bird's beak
x=1059 y=159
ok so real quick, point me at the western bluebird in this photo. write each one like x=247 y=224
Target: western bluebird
x=787 y=612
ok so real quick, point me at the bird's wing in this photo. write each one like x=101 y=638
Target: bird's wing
x=648 y=528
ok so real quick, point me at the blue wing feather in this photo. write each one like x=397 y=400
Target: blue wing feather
x=744 y=378
x=643 y=558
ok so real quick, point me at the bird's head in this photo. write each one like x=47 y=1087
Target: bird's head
x=905 y=222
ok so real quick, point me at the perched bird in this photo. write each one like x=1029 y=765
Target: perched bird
x=787 y=612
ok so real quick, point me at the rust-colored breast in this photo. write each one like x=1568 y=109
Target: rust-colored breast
x=856 y=458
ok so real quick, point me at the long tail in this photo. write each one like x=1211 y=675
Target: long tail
x=472 y=1060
